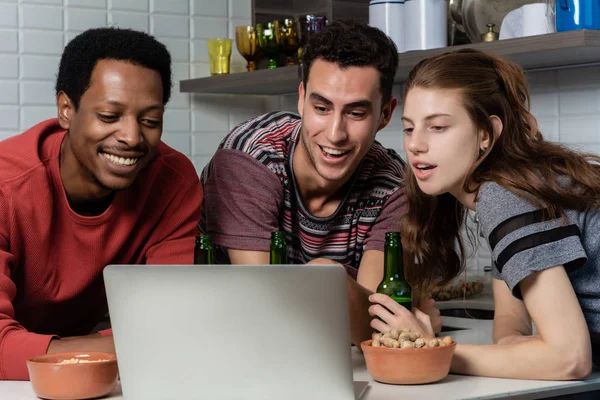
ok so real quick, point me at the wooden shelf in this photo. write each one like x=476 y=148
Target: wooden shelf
x=265 y=81
x=554 y=50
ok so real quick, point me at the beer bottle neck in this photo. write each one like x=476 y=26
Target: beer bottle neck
x=393 y=261
x=203 y=242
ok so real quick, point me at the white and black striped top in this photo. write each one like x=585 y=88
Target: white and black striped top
x=523 y=240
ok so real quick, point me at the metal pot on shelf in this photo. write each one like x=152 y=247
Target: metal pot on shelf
x=473 y=16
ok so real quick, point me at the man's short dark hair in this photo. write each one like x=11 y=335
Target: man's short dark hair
x=83 y=52
x=350 y=43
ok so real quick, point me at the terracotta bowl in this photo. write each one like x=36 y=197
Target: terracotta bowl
x=69 y=376
x=408 y=366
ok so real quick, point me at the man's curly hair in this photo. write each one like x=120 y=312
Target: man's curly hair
x=83 y=52
x=350 y=43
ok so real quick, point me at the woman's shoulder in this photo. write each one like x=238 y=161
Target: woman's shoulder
x=497 y=204
x=492 y=195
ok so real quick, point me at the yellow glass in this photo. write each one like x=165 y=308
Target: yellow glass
x=219 y=51
x=246 y=41
x=288 y=40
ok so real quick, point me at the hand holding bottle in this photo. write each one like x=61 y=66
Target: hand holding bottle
x=392 y=315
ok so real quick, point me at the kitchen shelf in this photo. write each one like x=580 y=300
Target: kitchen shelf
x=553 y=50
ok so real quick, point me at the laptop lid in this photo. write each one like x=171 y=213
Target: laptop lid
x=231 y=332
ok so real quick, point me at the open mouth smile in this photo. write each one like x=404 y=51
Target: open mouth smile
x=329 y=152
x=122 y=161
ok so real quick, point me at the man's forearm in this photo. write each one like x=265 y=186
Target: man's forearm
x=82 y=343
x=358 y=303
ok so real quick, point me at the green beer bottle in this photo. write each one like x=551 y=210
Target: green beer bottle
x=278 y=248
x=203 y=251
x=394 y=284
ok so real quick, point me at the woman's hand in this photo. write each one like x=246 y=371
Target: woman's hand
x=394 y=316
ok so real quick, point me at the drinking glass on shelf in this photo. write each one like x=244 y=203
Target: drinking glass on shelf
x=288 y=39
x=219 y=51
x=309 y=25
x=268 y=43
x=246 y=41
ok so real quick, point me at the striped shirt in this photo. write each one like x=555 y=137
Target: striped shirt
x=250 y=191
x=524 y=240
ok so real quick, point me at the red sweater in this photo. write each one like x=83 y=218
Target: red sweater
x=51 y=259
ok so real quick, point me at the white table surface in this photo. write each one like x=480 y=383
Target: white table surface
x=452 y=387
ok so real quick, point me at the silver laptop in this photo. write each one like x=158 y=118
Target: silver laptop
x=231 y=332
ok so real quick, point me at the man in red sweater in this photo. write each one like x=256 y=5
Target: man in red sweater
x=94 y=187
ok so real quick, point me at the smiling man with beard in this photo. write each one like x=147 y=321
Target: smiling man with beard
x=96 y=186
x=319 y=176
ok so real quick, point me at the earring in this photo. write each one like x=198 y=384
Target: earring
x=481 y=151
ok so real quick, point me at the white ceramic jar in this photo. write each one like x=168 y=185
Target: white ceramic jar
x=425 y=24
x=388 y=15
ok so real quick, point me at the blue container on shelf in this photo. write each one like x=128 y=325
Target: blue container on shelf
x=577 y=14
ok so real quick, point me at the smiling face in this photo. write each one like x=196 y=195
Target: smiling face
x=440 y=139
x=341 y=113
x=116 y=129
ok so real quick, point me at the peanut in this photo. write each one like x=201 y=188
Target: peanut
x=447 y=341
x=407 y=339
x=404 y=336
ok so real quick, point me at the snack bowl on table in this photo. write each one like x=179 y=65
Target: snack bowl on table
x=408 y=366
x=73 y=375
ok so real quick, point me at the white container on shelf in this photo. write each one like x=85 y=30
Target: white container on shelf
x=388 y=15
x=425 y=24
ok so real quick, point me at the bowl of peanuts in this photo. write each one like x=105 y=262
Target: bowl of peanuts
x=406 y=358
x=73 y=375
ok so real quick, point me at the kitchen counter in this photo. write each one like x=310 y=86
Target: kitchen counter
x=453 y=387
x=480 y=301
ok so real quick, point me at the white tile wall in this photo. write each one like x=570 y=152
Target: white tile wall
x=38 y=67
x=40 y=17
x=8 y=41
x=80 y=19
x=211 y=8
x=34 y=93
x=566 y=103
x=9 y=118
x=170 y=26
x=9 y=66
x=42 y=2
x=34 y=114
x=131 y=20
x=9 y=92
x=8 y=15
x=171 y=6
x=87 y=3
x=128 y=5
x=40 y=42
x=33 y=34
x=240 y=8
x=204 y=28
